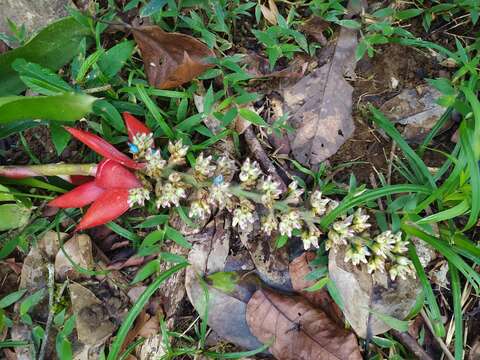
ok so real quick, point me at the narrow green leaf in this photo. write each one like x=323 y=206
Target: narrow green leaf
x=137 y=308
x=224 y=281
x=448 y=214
x=252 y=116
x=177 y=237
x=146 y=271
x=110 y=114
x=318 y=285
x=11 y=298
x=457 y=310
x=112 y=61
x=399 y=325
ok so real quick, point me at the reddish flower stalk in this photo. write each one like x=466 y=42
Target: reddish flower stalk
x=102 y=147
x=79 y=197
x=134 y=126
x=111 y=204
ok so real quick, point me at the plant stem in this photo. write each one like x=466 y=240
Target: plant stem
x=24 y=171
x=51 y=292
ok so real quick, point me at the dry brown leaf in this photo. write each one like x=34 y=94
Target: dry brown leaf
x=79 y=250
x=226 y=313
x=92 y=320
x=300 y=332
x=299 y=268
x=320 y=105
x=170 y=59
x=370 y=292
x=270 y=13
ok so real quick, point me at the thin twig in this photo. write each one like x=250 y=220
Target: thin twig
x=51 y=313
x=411 y=344
x=97 y=89
x=440 y=342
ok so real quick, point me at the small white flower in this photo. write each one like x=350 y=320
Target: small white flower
x=341 y=231
x=310 y=238
x=401 y=246
x=199 y=209
x=294 y=194
x=289 y=222
x=219 y=195
x=141 y=143
x=271 y=191
x=154 y=163
x=383 y=244
x=203 y=167
x=138 y=196
x=357 y=252
x=225 y=166
x=177 y=152
x=376 y=263
x=402 y=271
x=249 y=173
x=319 y=204
x=359 y=221
x=243 y=215
x=171 y=192
x=269 y=223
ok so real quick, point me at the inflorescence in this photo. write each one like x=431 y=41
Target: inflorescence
x=208 y=184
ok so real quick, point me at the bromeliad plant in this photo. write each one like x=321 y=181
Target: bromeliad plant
x=214 y=184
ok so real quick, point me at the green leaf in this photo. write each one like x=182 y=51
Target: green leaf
x=40 y=79
x=177 y=237
x=252 y=116
x=447 y=214
x=53 y=47
x=152 y=7
x=408 y=14
x=318 y=285
x=153 y=221
x=11 y=298
x=112 y=61
x=60 y=137
x=110 y=114
x=66 y=107
x=31 y=301
x=224 y=280
x=63 y=347
x=5 y=194
x=146 y=271
x=13 y=216
x=399 y=325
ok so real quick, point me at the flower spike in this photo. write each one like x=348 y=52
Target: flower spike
x=109 y=206
x=102 y=147
x=134 y=126
x=79 y=197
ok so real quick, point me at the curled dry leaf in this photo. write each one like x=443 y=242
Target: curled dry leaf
x=371 y=293
x=92 y=320
x=299 y=331
x=270 y=13
x=171 y=59
x=299 y=268
x=320 y=105
x=79 y=249
x=418 y=110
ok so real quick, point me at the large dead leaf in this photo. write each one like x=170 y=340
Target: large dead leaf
x=320 y=105
x=171 y=59
x=299 y=268
x=93 y=322
x=226 y=314
x=363 y=293
x=299 y=331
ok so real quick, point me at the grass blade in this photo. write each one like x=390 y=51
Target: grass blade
x=457 y=310
x=137 y=308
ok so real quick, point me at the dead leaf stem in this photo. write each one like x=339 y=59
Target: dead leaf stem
x=411 y=344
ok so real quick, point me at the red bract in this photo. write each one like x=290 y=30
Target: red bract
x=109 y=206
x=111 y=174
x=134 y=126
x=102 y=147
x=79 y=197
